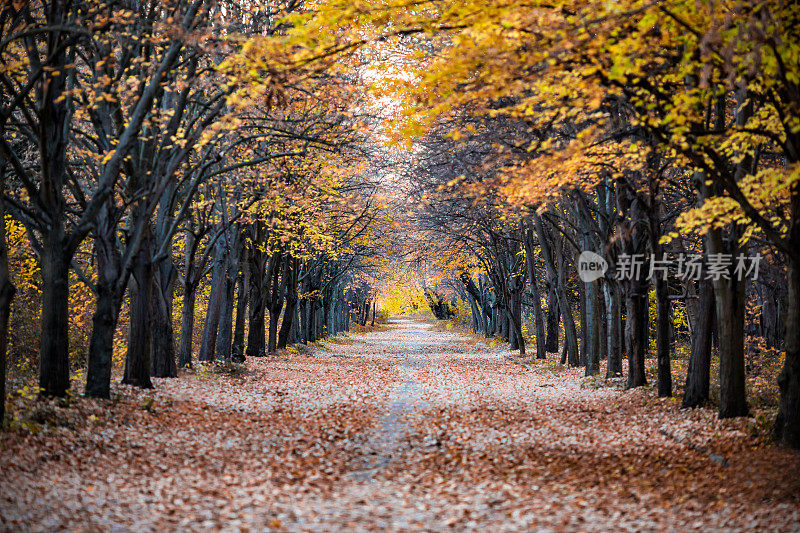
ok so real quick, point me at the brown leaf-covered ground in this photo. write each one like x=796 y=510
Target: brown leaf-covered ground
x=404 y=429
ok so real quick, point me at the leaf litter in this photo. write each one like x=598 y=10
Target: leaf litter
x=405 y=429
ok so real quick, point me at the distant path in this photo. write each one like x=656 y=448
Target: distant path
x=406 y=429
x=412 y=345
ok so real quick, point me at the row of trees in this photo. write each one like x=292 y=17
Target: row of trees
x=621 y=128
x=139 y=167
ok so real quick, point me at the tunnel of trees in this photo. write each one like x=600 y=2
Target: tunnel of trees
x=198 y=181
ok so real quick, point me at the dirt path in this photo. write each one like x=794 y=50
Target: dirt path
x=405 y=429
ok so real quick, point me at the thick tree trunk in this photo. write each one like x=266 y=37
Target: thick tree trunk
x=538 y=318
x=110 y=291
x=584 y=339
x=663 y=324
x=786 y=430
x=557 y=276
x=208 y=343
x=592 y=330
x=771 y=321
x=101 y=344
x=237 y=347
x=553 y=319
x=698 y=376
x=570 y=332
x=613 y=330
x=137 y=361
x=225 y=335
x=319 y=324
x=272 y=344
x=637 y=332
x=602 y=324
x=302 y=304
x=56 y=255
x=291 y=304
x=515 y=315
x=730 y=296
x=54 y=340
x=189 y=296
x=636 y=289
x=187 y=325
x=277 y=264
x=256 y=340
x=163 y=336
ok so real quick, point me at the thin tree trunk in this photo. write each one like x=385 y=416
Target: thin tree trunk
x=7 y=291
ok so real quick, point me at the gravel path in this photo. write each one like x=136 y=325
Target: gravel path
x=408 y=429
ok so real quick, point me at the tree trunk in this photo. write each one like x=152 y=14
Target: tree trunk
x=698 y=376
x=208 y=344
x=7 y=291
x=189 y=296
x=570 y=332
x=56 y=255
x=557 y=277
x=771 y=322
x=538 y=319
x=636 y=287
x=553 y=319
x=637 y=332
x=256 y=342
x=786 y=430
x=277 y=264
x=225 y=335
x=663 y=323
x=613 y=330
x=137 y=361
x=730 y=297
x=237 y=347
x=163 y=336
x=291 y=304
x=516 y=313
x=592 y=330
x=187 y=325
x=582 y=296
x=110 y=291
x=272 y=345
x=54 y=340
